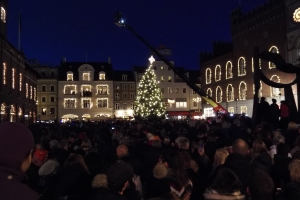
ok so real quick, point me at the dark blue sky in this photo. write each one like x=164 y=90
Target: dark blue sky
x=70 y=28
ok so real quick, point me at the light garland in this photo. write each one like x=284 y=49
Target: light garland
x=26 y=90
x=4 y=73
x=244 y=109
x=260 y=89
x=274 y=92
x=20 y=83
x=88 y=101
x=70 y=103
x=230 y=93
x=273 y=49
x=242 y=94
x=241 y=66
x=102 y=87
x=30 y=92
x=102 y=102
x=69 y=76
x=101 y=76
x=218 y=94
x=229 y=73
x=34 y=93
x=218 y=73
x=67 y=87
x=13 y=78
x=231 y=110
x=208 y=93
x=208 y=75
x=86 y=76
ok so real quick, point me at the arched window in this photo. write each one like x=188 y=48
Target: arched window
x=209 y=93
x=229 y=70
x=259 y=91
x=69 y=76
x=218 y=73
x=218 y=94
x=273 y=49
x=230 y=93
x=101 y=76
x=259 y=63
x=242 y=66
x=275 y=92
x=242 y=91
x=208 y=75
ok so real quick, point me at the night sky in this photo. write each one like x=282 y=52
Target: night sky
x=76 y=28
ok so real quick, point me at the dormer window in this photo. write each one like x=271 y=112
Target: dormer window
x=69 y=76
x=86 y=76
x=124 y=77
x=102 y=76
x=3 y=15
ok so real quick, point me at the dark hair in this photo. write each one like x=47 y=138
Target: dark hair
x=176 y=164
x=226 y=182
x=283 y=149
x=260 y=185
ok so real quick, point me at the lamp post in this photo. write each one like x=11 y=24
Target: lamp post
x=236 y=100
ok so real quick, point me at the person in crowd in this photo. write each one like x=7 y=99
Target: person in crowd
x=63 y=144
x=284 y=114
x=260 y=156
x=86 y=146
x=53 y=144
x=220 y=157
x=277 y=139
x=264 y=110
x=40 y=155
x=239 y=163
x=296 y=146
x=274 y=113
x=226 y=185
x=260 y=186
x=292 y=189
x=16 y=147
x=292 y=134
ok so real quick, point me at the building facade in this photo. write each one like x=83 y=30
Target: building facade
x=179 y=99
x=18 y=80
x=46 y=91
x=85 y=91
x=227 y=72
x=124 y=91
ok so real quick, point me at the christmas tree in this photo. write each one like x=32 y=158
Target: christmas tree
x=149 y=99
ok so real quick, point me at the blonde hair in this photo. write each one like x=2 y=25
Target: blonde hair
x=86 y=143
x=220 y=157
x=292 y=126
x=294 y=168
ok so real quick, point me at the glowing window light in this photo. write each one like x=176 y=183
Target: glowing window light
x=13 y=70
x=218 y=73
x=34 y=93
x=229 y=93
x=218 y=94
x=86 y=76
x=208 y=93
x=242 y=66
x=69 y=76
x=26 y=90
x=86 y=103
x=102 y=89
x=20 y=111
x=101 y=75
x=3 y=15
x=70 y=103
x=20 y=81
x=208 y=75
x=30 y=92
x=242 y=90
x=70 y=89
x=230 y=109
x=229 y=73
x=102 y=102
x=273 y=49
x=4 y=73
x=274 y=92
x=244 y=110
x=260 y=90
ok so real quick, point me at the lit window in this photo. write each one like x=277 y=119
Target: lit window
x=20 y=81
x=184 y=90
x=124 y=77
x=209 y=93
x=242 y=91
x=208 y=75
x=242 y=66
x=219 y=94
x=230 y=93
x=4 y=73
x=273 y=49
x=20 y=111
x=195 y=104
x=102 y=103
x=218 y=73
x=26 y=90
x=86 y=76
x=101 y=75
x=86 y=103
x=13 y=70
x=31 y=92
x=181 y=104
x=86 y=90
x=117 y=106
x=229 y=73
x=169 y=90
x=44 y=111
x=170 y=79
x=70 y=89
x=69 y=103
x=132 y=95
x=102 y=89
x=275 y=92
x=162 y=79
x=69 y=76
x=231 y=110
x=34 y=93
x=3 y=15
x=244 y=110
x=162 y=68
x=117 y=86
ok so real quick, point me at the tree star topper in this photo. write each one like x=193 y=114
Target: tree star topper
x=151 y=60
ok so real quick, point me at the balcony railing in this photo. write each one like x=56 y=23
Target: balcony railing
x=86 y=94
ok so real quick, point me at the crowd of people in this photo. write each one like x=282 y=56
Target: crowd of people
x=163 y=159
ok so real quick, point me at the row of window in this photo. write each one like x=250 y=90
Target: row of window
x=45 y=112
x=176 y=90
x=161 y=68
x=229 y=68
x=44 y=88
x=44 y=99
x=242 y=91
x=52 y=73
x=124 y=96
x=86 y=76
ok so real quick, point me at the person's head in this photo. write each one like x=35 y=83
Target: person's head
x=75 y=160
x=259 y=147
x=86 y=143
x=16 y=145
x=277 y=139
x=53 y=144
x=156 y=144
x=118 y=176
x=182 y=143
x=283 y=149
x=38 y=146
x=240 y=147
x=292 y=126
x=122 y=150
x=63 y=144
x=220 y=157
x=262 y=99
x=260 y=185
x=226 y=182
x=294 y=168
x=274 y=101
x=296 y=155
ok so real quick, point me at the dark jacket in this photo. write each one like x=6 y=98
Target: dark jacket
x=240 y=165
x=106 y=194
x=292 y=191
x=11 y=187
x=280 y=170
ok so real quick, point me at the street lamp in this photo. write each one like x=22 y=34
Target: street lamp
x=236 y=100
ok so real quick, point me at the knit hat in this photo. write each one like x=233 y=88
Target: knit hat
x=53 y=143
x=16 y=141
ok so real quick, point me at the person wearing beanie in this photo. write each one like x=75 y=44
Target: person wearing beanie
x=16 y=145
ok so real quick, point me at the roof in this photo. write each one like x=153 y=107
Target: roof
x=139 y=69
x=118 y=75
x=74 y=67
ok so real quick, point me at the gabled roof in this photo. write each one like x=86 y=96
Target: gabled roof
x=119 y=74
x=74 y=66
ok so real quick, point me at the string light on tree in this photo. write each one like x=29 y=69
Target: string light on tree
x=149 y=99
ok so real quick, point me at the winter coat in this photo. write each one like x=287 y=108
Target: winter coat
x=292 y=191
x=11 y=187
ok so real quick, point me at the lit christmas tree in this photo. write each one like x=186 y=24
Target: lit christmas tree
x=149 y=99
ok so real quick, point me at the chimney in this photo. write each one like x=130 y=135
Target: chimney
x=108 y=60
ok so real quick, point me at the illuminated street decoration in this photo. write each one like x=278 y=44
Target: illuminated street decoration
x=242 y=66
x=229 y=73
x=70 y=89
x=70 y=103
x=274 y=92
x=218 y=94
x=229 y=93
x=218 y=73
x=296 y=15
x=208 y=75
x=273 y=49
x=242 y=91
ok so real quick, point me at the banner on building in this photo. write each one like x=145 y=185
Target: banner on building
x=217 y=107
